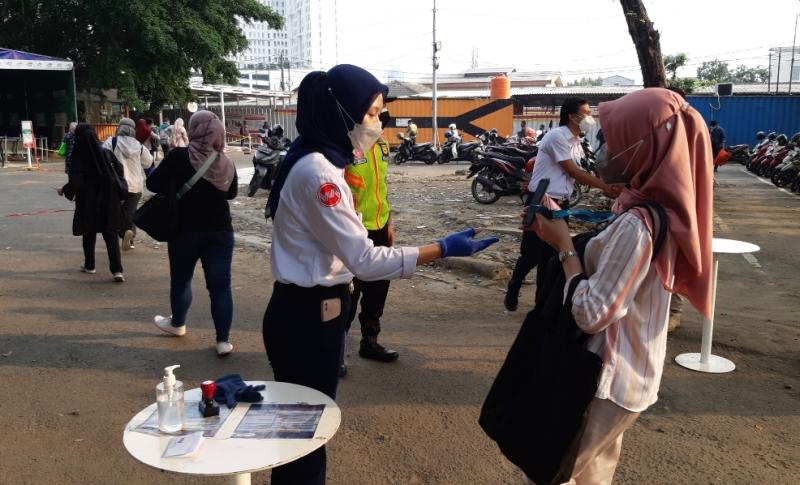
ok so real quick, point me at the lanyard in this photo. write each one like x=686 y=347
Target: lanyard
x=592 y=217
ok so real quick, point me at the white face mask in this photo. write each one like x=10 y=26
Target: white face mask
x=364 y=135
x=587 y=123
x=610 y=170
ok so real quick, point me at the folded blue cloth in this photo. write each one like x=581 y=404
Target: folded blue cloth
x=232 y=389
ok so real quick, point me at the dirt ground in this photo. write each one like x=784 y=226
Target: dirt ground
x=79 y=356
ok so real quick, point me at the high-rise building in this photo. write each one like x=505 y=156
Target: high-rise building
x=266 y=47
x=312 y=33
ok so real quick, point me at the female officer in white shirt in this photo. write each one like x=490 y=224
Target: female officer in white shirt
x=319 y=243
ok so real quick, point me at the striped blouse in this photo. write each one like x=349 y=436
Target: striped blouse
x=625 y=307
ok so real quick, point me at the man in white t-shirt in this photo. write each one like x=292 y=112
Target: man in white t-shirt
x=559 y=157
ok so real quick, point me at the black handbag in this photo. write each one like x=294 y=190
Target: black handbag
x=158 y=217
x=536 y=409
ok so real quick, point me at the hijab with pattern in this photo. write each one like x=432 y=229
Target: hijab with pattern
x=206 y=136
x=672 y=166
x=328 y=106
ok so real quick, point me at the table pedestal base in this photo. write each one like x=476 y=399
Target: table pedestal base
x=714 y=364
x=239 y=479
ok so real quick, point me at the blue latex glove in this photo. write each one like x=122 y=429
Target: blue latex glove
x=232 y=389
x=462 y=244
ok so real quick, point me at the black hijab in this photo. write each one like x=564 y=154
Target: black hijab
x=87 y=151
x=329 y=104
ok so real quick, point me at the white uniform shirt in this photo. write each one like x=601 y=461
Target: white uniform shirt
x=558 y=144
x=318 y=238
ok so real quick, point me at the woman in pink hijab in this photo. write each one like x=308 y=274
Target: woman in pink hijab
x=205 y=231
x=659 y=147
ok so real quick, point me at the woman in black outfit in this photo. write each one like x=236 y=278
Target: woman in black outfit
x=92 y=184
x=205 y=231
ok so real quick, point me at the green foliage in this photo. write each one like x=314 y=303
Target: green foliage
x=717 y=71
x=747 y=75
x=587 y=81
x=685 y=84
x=674 y=62
x=147 y=49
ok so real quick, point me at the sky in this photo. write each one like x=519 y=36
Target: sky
x=575 y=37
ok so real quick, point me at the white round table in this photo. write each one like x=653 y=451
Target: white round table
x=705 y=361
x=232 y=457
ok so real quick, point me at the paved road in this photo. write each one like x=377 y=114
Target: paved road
x=78 y=357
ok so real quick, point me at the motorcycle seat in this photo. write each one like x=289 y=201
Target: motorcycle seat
x=423 y=145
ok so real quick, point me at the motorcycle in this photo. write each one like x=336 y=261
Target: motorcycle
x=495 y=177
x=785 y=173
x=266 y=159
x=409 y=150
x=463 y=151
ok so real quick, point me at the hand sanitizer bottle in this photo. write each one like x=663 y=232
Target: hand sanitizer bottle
x=169 y=398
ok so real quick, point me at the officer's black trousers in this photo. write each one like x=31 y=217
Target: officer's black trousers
x=302 y=349
x=372 y=293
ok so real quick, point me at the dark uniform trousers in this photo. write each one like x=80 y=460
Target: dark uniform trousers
x=372 y=293
x=533 y=251
x=302 y=349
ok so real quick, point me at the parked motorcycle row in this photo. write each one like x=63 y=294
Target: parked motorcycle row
x=776 y=157
x=505 y=169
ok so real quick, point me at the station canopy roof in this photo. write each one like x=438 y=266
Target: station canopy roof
x=28 y=61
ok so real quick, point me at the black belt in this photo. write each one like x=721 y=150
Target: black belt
x=315 y=292
x=563 y=203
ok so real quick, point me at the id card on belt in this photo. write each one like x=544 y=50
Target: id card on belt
x=330 y=308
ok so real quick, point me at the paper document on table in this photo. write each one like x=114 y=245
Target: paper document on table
x=184 y=446
x=280 y=421
x=194 y=421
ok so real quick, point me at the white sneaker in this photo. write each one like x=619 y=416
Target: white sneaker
x=85 y=270
x=127 y=240
x=165 y=325
x=224 y=348
x=119 y=278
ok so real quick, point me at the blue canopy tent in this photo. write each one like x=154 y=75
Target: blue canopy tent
x=37 y=88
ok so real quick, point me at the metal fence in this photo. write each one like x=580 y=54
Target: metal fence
x=12 y=149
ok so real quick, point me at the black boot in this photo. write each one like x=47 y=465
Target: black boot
x=511 y=301
x=371 y=349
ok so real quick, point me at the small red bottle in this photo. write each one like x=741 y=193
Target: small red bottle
x=207 y=405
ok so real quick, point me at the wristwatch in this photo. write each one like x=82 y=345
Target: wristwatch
x=566 y=254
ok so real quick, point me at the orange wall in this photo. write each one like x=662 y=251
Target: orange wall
x=418 y=109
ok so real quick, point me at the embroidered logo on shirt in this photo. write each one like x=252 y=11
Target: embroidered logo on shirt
x=329 y=194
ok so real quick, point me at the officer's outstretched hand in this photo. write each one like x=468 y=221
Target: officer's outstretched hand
x=462 y=244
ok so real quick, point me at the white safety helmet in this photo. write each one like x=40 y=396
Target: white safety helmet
x=452 y=126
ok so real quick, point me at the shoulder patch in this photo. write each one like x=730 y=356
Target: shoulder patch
x=329 y=194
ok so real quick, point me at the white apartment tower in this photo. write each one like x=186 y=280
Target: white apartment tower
x=312 y=33
x=265 y=46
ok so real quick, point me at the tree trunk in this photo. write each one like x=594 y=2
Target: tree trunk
x=647 y=42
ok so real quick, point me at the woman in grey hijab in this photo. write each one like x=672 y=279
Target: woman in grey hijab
x=134 y=158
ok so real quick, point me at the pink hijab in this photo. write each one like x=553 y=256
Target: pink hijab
x=206 y=136
x=673 y=168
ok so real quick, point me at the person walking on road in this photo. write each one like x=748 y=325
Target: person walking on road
x=717 y=140
x=164 y=132
x=92 y=184
x=178 y=138
x=658 y=145
x=319 y=244
x=559 y=158
x=205 y=231
x=135 y=158
x=366 y=178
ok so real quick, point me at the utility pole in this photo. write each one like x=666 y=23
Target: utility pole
x=794 y=44
x=435 y=59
